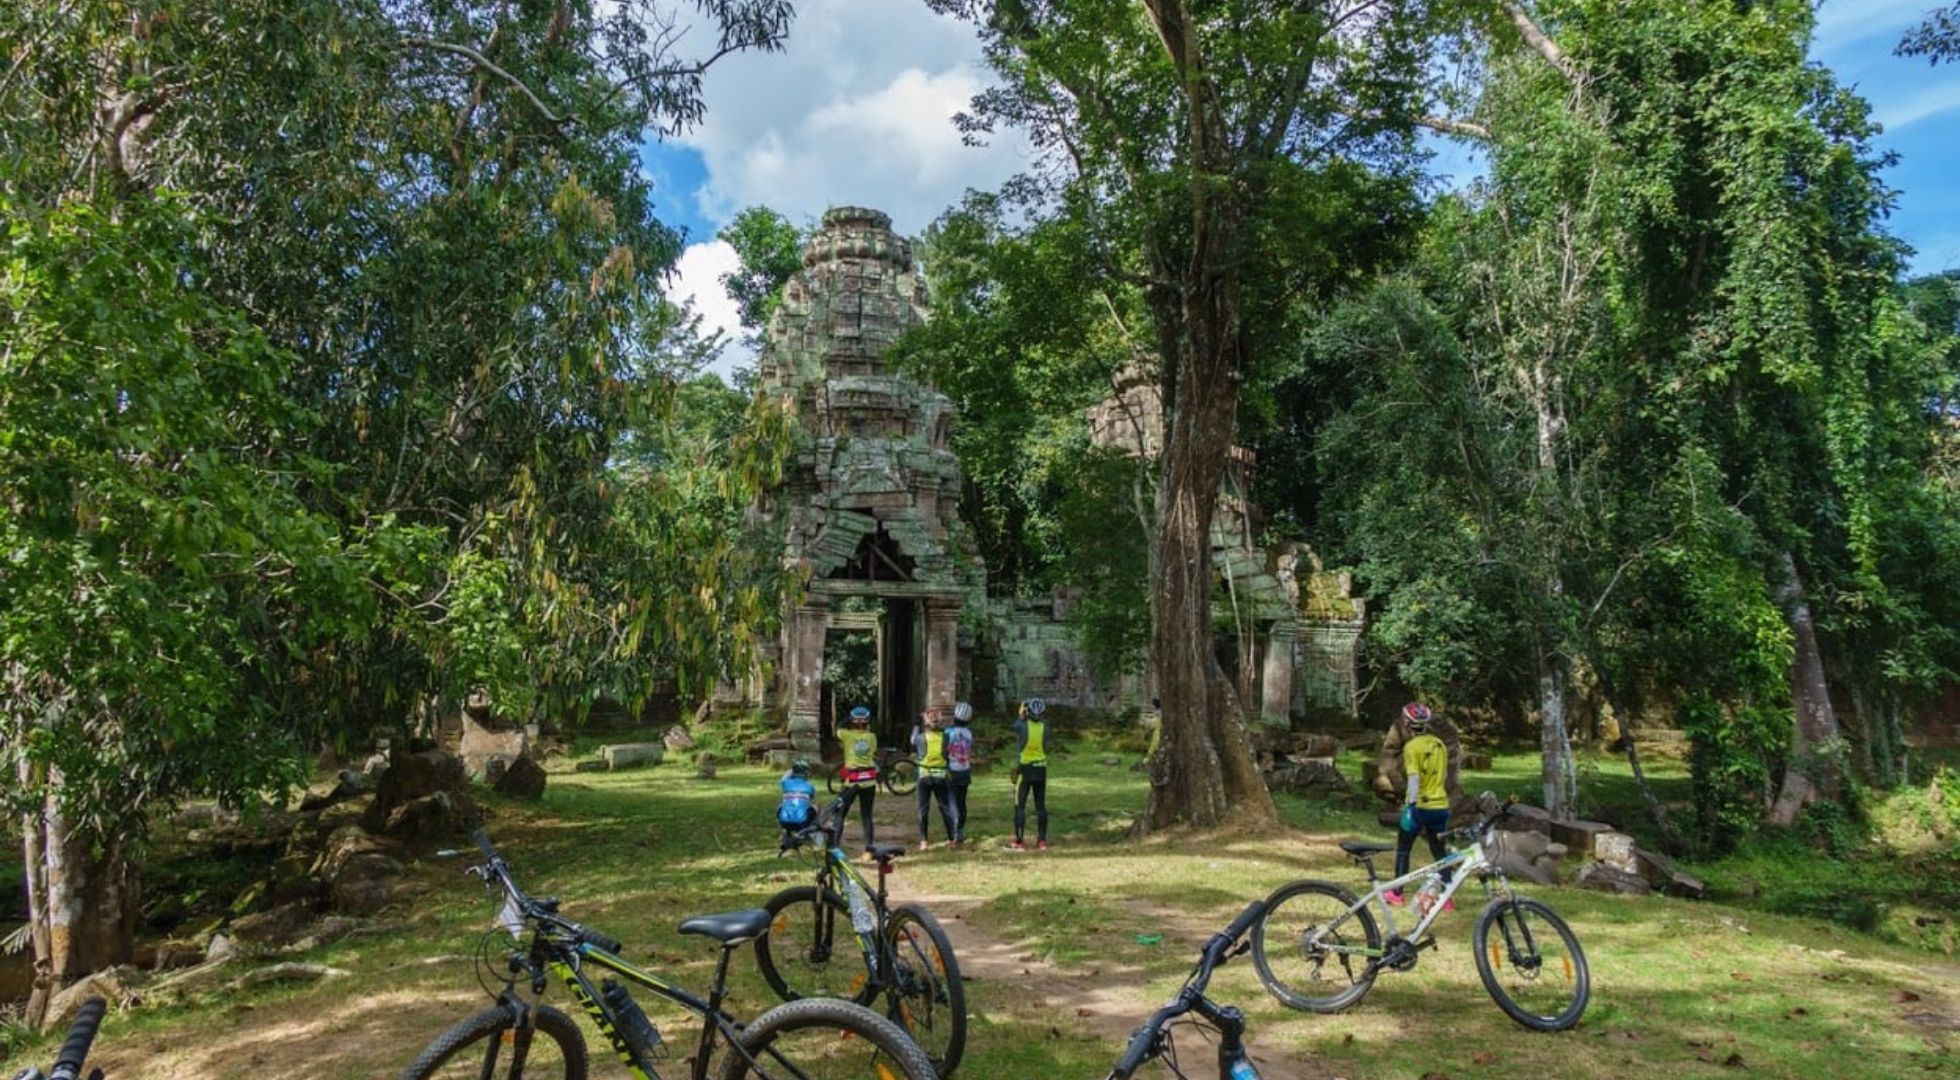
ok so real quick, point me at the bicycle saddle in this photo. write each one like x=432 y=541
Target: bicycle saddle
x=730 y=929
x=1362 y=850
x=887 y=852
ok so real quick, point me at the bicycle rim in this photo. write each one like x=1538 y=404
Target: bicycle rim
x=929 y=997
x=822 y=1039
x=1312 y=947
x=811 y=951
x=488 y=1045
x=902 y=778
x=1532 y=964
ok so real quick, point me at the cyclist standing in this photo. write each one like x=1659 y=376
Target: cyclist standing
x=860 y=771
x=1032 y=771
x=1426 y=805
x=959 y=766
x=929 y=749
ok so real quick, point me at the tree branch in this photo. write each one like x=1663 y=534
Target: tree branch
x=487 y=64
x=1451 y=126
x=1540 y=41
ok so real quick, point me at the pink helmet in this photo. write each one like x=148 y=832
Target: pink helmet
x=1417 y=715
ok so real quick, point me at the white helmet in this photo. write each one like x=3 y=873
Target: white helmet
x=962 y=712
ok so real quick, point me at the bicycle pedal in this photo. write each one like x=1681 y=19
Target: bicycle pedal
x=1426 y=943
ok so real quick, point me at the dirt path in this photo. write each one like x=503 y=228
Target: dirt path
x=1107 y=1002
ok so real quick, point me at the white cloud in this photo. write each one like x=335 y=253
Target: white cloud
x=857 y=110
x=698 y=283
x=1930 y=101
x=1839 y=21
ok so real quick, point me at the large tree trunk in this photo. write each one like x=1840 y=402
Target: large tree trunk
x=1816 y=769
x=1203 y=773
x=81 y=900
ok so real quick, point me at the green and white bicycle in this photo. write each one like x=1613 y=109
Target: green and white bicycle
x=1318 y=948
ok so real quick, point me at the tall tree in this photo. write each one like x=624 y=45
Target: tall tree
x=431 y=218
x=1937 y=39
x=1193 y=139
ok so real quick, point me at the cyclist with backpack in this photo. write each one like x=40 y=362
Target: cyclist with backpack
x=959 y=766
x=797 y=810
x=929 y=749
x=1031 y=773
x=860 y=771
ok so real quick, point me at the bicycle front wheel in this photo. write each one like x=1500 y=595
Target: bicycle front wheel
x=490 y=1045
x=1314 y=948
x=1531 y=964
x=825 y=1039
x=902 y=776
x=928 y=993
x=810 y=949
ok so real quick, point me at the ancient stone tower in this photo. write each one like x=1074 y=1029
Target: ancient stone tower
x=869 y=510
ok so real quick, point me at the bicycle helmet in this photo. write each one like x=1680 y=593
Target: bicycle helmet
x=1035 y=706
x=799 y=767
x=1417 y=715
x=860 y=715
x=962 y=712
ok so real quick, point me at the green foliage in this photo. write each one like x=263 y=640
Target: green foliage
x=1937 y=39
x=771 y=252
x=419 y=422
x=168 y=589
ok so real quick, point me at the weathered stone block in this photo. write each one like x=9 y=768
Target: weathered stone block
x=1527 y=818
x=1580 y=837
x=1603 y=878
x=484 y=740
x=523 y=779
x=619 y=756
x=1616 y=850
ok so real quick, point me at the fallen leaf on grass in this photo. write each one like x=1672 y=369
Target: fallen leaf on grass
x=1740 y=977
x=1482 y=1057
x=1901 y=997
x=1796 y=1013
x=1085 y=1012
x=1435 y=1076
x=1347 y=1039
x=1734 y=1061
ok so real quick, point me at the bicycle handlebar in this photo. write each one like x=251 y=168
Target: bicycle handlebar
x=1144 y=1042
x=539 y=911
x=81 y=1034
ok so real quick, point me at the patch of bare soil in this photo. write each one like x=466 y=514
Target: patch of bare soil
x=1107 y=1002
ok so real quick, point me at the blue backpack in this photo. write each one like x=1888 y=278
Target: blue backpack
x=795 y=812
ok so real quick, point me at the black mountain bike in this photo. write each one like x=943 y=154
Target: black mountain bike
x=896 y=774
x=519 y=1039
x=1153 y=1042
x=808 y=949
x=74 y=1050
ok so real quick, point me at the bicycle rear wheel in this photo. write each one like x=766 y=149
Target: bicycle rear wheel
x=930 y=995
x=825 y=1039
x=810 y=949
x=1313 y=949
x=902 y=776
x=1532 y=965
x=835 y=782
x=489 y=1045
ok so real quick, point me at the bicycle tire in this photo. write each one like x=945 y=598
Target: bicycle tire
x=945 y=988
x=901 y=777
x=1574 y=967
x=841 y=955
x=492 y=1023
x=835 y=781
x=1298 y=997
x=846 y=1019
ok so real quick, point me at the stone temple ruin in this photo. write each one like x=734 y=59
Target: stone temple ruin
x=869 y=512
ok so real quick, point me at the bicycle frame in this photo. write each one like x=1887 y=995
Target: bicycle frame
x=838 y=864
x=714 y=1020
x=1473 y=861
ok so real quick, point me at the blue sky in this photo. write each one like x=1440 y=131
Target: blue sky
x=858 y=110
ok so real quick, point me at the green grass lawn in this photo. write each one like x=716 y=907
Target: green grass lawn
x=1073 y=948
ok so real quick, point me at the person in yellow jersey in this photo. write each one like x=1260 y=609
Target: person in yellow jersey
x=1426 y=808
x=929 y=749
x=1031 y=765
x=860 y=771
